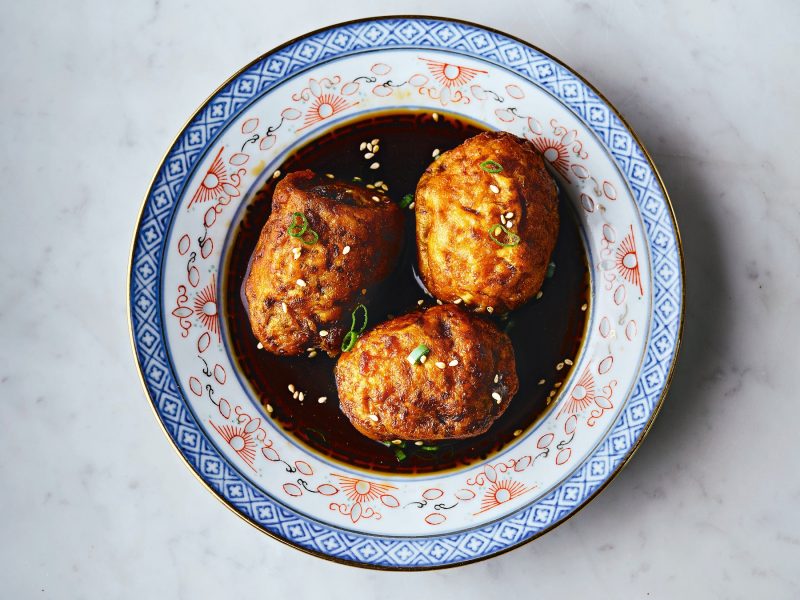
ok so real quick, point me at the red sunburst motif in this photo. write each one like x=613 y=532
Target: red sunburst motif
x=500 y=492
x=628 y=261
x=205 y=307
x=581 y=396
x=239 y=440
x=324 y=107
x=212 y=185
x=450 y=75
x=555 y=153
x=362 y=491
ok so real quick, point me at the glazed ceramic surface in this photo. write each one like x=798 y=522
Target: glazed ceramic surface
x=607 y=398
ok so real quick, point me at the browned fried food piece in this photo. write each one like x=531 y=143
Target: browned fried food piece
x=458 y=203
x=453 y=394
x=302 y=295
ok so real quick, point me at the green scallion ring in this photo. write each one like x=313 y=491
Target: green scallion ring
x=513 y=238
x=350 y=339
x=364 y=326
x=298 y=229
x=309 y=241
x=491 y=166
x=551 y=269
x=417 y=353
x=406 y=201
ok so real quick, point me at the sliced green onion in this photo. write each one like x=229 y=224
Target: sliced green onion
x=417 y=353
x=310 y=237
x=429 y=448
x=349 y=340
x=364 y=325
x=551 y=269
x=407 y=199
x=513 y=238
x=399 y=454
x=491 y=166
x=298 y=229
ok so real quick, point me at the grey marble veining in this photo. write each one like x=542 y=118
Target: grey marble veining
x=96 y=504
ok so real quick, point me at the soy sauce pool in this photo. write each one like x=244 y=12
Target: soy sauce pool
x=544 y=332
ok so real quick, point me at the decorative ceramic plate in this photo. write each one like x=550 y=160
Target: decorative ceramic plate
x=602 y=401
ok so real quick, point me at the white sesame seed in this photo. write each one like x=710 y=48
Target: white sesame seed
x=295 y=395
x=559 y=366
x=362 y=146
x=375 y=148
x=411 y=206
x=440 y=364
x=322 y=399
x=357 y=179
x=422 y=359
x=557 y=384
x=323 y=333
x=584 y=307
x=490 y=309
x=497 y=396
x=418 y=442
x=541 y=382
x=457 y=301
x=346 y=250
x=502 y=219
x=374 y=166
x=284 y=308
x=301 y=283
x=540 y=294
x=385 y=187
x=498 y=231
x=439 y=302
x=329 y=175
x=269 y=408
x=494 y=188
x=376 y=198
x=291 y=388
x=375 y=141
x=369 y=186
x=435 y=153
x=312 y=354
x=369 y=146
x=397 y=442
x=301 y=396
x=378 y=183
x=509 y=215
x=260 y=346
x=369 y=155
x=374 y=418
x=420 y=302
x=497 y=378
x=435 y=116
x=567 y=361
x=517 y=432
x=509 y=224
x=453 y=363
x=276 y=174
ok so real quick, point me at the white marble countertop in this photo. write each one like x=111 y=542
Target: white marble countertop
x=98 y=505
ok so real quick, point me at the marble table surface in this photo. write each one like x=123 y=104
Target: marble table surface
x=96 y=504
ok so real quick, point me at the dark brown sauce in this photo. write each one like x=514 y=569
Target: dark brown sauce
x=544 y=332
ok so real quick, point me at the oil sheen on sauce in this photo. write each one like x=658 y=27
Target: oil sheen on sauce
x=544 y=332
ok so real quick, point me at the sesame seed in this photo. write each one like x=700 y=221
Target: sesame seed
x=422 y=359
x=440 y=364
x=490 y=309
x=584 y=307
x=260 y=346
x=509 y=215
x=517 y=432
x=374 y=418
x=557 y=384
x=502 y=220
x=375 y=141
x=509 y=224
x=375 y=148
x=385 y=187
x=269 y=408
x=301 y=283
x=541 y=382
x=378 y=183
x=369 y=186
x=552 y=393
x=322 y=399
x=357 y=179
x=457 y=301
x=435 y=116
x=329 y=175
x=494 y=188
x=540 y=294
x=323 y=333
x=420 y=302
x=363 y=291
x=439 y=302
x=397 y=442
x=301 y=396
x=284 y=308
x=374 y=166
x=312 y=354
x=497 y=231
x=346 y=250
x=418 y=443
x=376 y=198
x=497 y=397
x=291 y=388
x=435 y=152
x=411 y=206
x=362 y=146
x=559 y=366
x=569 y=362
x=369 y=146
x=497 y=378
x=295 y=395
x=369 y=155
x=453 y=363
x=276 y=174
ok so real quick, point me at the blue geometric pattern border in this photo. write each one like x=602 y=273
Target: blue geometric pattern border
x=433 y=551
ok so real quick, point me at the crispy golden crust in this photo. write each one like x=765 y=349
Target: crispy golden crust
x=342 y=214
x=455 y=208
x=424 y=401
